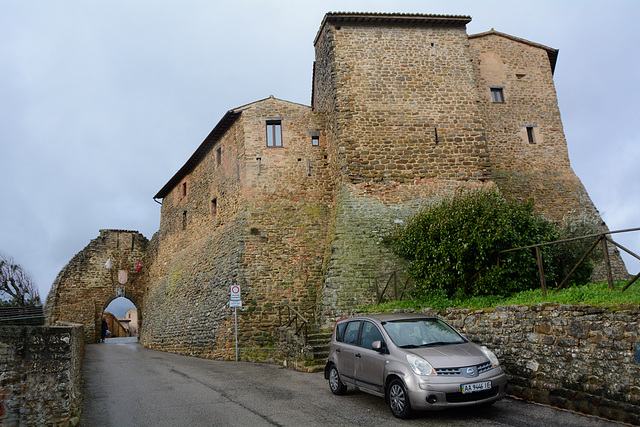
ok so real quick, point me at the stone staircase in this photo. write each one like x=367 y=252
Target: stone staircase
x=318 y=340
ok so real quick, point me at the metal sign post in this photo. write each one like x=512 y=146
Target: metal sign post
x=235 y=301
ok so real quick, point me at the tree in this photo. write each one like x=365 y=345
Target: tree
x=16 y=286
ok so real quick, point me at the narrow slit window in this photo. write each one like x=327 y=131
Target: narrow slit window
x=274 y=133
x=184 y=220
x=530 y=135
x=497 y=95
x=219 y=156
x=214 y=207
x=184 y=189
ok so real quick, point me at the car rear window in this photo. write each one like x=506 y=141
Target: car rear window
x=411 y=333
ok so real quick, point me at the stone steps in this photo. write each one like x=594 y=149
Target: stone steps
x=319 y=341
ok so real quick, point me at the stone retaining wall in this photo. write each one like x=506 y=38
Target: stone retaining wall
x=576 y=357
x=40 y=376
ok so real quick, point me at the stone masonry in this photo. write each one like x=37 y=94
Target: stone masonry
x=40 y=375
x=85 y=287
x=291 y=201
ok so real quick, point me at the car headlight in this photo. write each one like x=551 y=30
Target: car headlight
x=490 y=355
x=419 y=365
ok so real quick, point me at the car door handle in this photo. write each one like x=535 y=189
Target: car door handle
x=358 y=356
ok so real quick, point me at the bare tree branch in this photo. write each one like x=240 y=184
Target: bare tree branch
x=16 y=285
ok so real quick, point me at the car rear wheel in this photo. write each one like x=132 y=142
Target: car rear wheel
x=398 y=399
x=337 y=387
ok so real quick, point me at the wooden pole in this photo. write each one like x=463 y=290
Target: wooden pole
x=607 y=263
x=541 y=271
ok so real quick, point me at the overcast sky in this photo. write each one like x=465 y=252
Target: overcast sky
x=101 y=102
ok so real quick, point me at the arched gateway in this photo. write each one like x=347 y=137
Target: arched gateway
x=110 y=266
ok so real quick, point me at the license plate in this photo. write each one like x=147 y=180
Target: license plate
x=470 y=388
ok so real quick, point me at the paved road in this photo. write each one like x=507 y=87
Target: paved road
x=126 y=384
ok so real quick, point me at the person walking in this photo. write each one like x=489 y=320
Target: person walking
x=103 y=330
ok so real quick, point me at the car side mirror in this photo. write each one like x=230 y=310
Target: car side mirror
x=377 y=346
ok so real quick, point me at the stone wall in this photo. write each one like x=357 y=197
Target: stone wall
x=400 y=100
x=365 y=215
x=85 y=287
x=268 y=233
x=576 y=357
x=40 y=375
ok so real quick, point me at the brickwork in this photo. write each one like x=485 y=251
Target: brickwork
x=575 y=357
x=401 y=116
x=268 y=234
x=41 y=376
x=85 y=287
x=401 y=100
x=366 y=214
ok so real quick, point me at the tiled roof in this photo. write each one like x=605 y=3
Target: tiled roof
x=392 y=18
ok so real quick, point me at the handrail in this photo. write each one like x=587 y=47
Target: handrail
x=21 y=315
x=297 y=317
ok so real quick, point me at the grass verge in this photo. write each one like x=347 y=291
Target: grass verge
x=594 y=294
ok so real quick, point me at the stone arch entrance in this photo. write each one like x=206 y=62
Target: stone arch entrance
x=122 y=318
x=112 y=265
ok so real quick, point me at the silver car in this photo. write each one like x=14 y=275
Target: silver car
x=414 y=361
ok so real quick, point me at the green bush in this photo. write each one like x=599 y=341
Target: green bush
x=453 y=246
x=564 y=256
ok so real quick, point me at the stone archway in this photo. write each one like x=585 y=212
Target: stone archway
x=111 y=265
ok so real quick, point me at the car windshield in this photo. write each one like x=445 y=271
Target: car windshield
x=413 y=333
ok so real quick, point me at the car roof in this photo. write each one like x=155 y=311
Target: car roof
x=388 y=317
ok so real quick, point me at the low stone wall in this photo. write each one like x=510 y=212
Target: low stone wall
x=40 y=377
x=576 y=357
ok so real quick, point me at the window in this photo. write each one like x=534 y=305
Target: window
x=184 y=220
x=214 y=207
x=315 y=141
x=184 y=189
x=219 y=156
x=274 y=133
x=351 y=333
x=369 y=334
x=530 y=136
x=497 y=95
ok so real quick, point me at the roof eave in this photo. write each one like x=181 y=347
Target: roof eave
x=381 y=18
x=551 y=52
x=222 y=126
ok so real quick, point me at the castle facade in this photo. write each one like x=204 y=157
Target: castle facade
x=291 y=202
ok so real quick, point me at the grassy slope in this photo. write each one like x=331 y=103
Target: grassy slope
x=594 y=294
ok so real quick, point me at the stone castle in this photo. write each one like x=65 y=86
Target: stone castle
x=291 y=202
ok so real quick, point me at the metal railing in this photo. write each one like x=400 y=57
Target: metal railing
x=21 y=315
x=293 y=316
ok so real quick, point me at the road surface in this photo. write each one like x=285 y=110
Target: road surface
x=126 y=384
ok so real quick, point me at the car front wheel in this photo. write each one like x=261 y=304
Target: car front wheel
x=398 y=399
x=337 y=387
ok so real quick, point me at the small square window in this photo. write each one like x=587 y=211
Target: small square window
x=274 y=133
x=497 y=94
x=315 y=141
